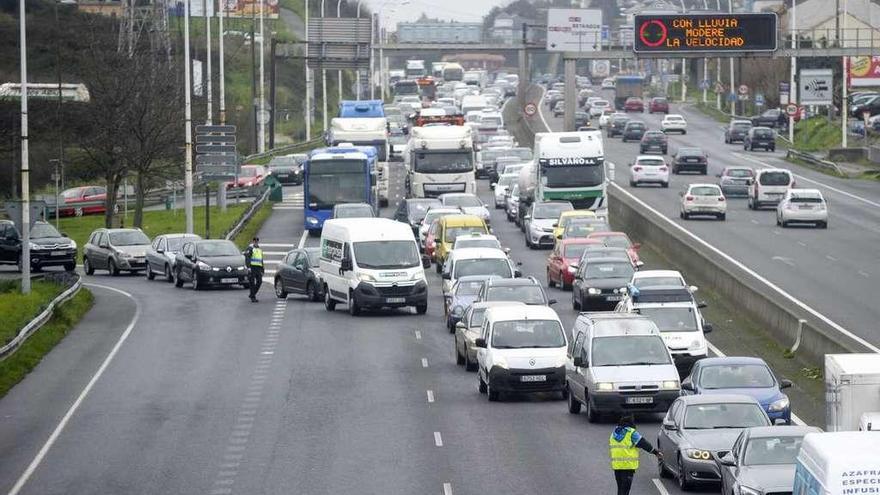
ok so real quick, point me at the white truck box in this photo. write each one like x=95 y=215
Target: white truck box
x=852 y=388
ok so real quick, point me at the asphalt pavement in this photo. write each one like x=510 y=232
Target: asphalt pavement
x=834 y=271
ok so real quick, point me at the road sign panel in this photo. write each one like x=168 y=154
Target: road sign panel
x=759 y=99
x=719 y=87
x=219 y=129
x=704 y=84
x=574 y=30
x=670 y=33
x=212 y=138
x=816 y=86
x=215 y=148
x=217 y=159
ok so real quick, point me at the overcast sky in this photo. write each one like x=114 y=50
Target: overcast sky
x=459 y=10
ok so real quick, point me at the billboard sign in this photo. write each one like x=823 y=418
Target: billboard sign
x=677 y=33
x=864 y=71
x=816 y=86
x=233 y=8
x=574 y=30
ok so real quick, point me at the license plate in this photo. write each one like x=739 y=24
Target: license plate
x=612 y=298
x=639 y=400
x=62 y=253
x=228 y=280
x=533 y=378
x=395 y=300
x=802 y=207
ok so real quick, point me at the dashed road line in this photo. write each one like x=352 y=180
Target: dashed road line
x=302 y=239
x=802 y=244
x=438 y=440
x=447 y=488
x=430 y=396
x=424 y=362
x=418 y=335
x=830 y=258
x=660 y=487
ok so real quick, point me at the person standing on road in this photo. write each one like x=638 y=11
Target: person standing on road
x=253 y=256
x=624 y=446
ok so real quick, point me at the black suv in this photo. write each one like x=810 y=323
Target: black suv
x=773 y=117
x=760 y=137
x=690 y=160
x=654 y=141
x=616 y=125
x=581 y=119
x=736 y=130
x=48 y=247
x=525 y=290
x=634 y=130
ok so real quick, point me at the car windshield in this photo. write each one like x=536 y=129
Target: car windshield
x=583 y=228
x=354 y=211
x=670 y=319
x=417 y=210
x=658 y=282
x=430 y=216
x=655 y=135
x=763 y=133
x=217 y=248
x=660 y=100
x=128 y=238
x=733 y=415
x=739 y=172
x=282 y=161
x=629 y=350
x=609 y=270
x=736 y=376
x=741 y=125
x=482 y=266
x=772 y=451
x=705 y=191
x=43 y=230
x=522 y=334
x=621 y=241
x=71 y=193
x=550 y=210
x=175 y=243
x=462 y=200
x=478 y=243
x=452 y=233
x=469 y=287
x=574 y=251
x=442 y=162
x=525 y=294
x=775 y=179
x=635 y=126
x=386 y=254
x=249 y=171
x=651 y=162
x=690 y=152
x=506 y=180
x=569 y=218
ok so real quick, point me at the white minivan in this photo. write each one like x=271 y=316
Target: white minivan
x=769 y=186
x=371 y=263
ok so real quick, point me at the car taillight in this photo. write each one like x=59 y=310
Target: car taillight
x=689 y=198
x=637 y=169
x=721 y=198
x=663 y=169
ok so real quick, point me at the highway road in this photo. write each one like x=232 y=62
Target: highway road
x=834 y=271
x=204 y=392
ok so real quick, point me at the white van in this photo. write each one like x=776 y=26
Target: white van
x=371 y=263
x=837 y=463
x=769 y=186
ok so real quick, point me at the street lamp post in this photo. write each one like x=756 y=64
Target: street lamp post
x=25 y=169
x=339 y=72
x=324 y=81
x=187 y=81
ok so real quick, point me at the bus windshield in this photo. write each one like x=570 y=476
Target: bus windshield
x=331 y=182
x=443 y=162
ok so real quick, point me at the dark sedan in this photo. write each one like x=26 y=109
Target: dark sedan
x=690 y=160
x=633 y=131
x=654 y=141
x=298 y=273
x=773 y=117
x=204 y=263
x=763 y=460
x=598 y=282
x=581 y=119
x=616 y=125
x=288 y=168
x=736 y=130
x=48 y=247
x=760 y=137
x=413 y=210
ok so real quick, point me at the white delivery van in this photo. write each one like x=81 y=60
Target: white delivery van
x=769 y=186
x=852 y=388
x=838 y=463
x=371 y=263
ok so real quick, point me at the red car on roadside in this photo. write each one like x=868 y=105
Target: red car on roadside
x=566 y=253
x=619 y=239
x=658 y=105
x=250 y=176
x=634 y=104
x=83 y=200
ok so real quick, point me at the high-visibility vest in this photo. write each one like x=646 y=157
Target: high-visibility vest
x=256 y=257
x=624 y=454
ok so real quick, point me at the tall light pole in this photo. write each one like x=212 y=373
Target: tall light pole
x=208 y=91
x=25 y=167
x=261 y=143
x=324 y=81
x=358 y=72
x=792 y=90
x=309 y=92
x=843 y=107
x=187 y=81
x=222 y=65
x=732 y=86
x=339 y=72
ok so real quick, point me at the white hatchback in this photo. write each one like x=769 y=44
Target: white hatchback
x=703 y=199
x=649 y=169
x=802 y=206
x=674 y=123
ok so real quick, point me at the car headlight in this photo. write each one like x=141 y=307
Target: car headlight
x=744 y=490
x=242 y=267
x=605 y=386
x=125 y=255
x=572 y=269
x=698 y=454
x=202 y=265
x=34 y=247
x=696 y=344
x=779 y=405
x=366 y=277
x=560 y=361
x=670 y=385
x=312 y=220
x=594 y=291
x=501 y=362
x=72 y=244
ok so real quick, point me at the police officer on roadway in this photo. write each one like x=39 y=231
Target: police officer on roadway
x=624 y=446
x=253 y=256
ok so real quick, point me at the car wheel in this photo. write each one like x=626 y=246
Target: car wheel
x=70 y=267
x=482 y=386
x=111 y=268
x=438 y=267
x=550 y=282
x=575 y=304
x=823 y=225
x=783 y=224
x=178 y=282
x=704 y=171
x=353 y=308
x=169 y=277
x=662 y=471
x=195 y=281
x=592 y=413
x=459 y=359
x=329 y=303
x=722 y=216
x=632 y=183
x=280 y=293
x=468 y=364
x=574 y=406
x=665 y=185
x=87 y=266
x=422 y=309
x=683 y=482
x=684 y=132
x=149 y=272
x=493 y=394
x=312 y=292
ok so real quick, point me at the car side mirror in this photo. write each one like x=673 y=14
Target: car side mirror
x=681 y=193
x=160 y=250
x=551 y=302
x=480 y=342
x=637 y=245
x=426 y=261
x=727 y=460
x=346 y=264
x=692 y=288
x=517 y=273
x=492 y=185
x=749 y=182
x=578 y=362
x=784 y=383
x=555 y=224
x=460 y=325
x=669 y=425
x=559 y=236
x=707 y=328
x=527 y=217
x=64 y=234
x=189 y=257
x=688 y=386
x=640 y=264
x=103 y=245
x=718 y=175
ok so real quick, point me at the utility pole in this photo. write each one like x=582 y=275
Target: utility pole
x=25 y=168
x=272 y=74
x=187 y=79
x=792 y=90
x=339 y=72
x=222 y=65
x=254 y=80
x=261 y=145
x=309 y=81
x=209 y=118
x=59 y=123
x=324 y=81
x=844 y=115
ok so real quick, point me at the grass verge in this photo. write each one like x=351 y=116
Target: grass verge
x=17 y=366
x=254 y=225
x=17 y=309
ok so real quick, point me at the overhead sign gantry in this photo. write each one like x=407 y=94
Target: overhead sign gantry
x=678 y=33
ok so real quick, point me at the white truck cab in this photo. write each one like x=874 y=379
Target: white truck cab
x=371 y=263
x=440 y=159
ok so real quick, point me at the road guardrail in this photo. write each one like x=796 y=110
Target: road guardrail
x=813 y=160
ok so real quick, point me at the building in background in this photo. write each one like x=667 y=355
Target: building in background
x=433 y=31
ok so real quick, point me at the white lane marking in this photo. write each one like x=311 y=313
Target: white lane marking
x=801 y=177
x=754 y=221
x=41 y=454
x=302 y=239
x=864 y=273
x=541 y=112
x=275 y=253
x=438 y=440
x=660 y=487
x=424 y=362
x=430 y=396
x=447 y=488
x=787 y=261
x=418 y=335
x=802 y=244
x=830 y=258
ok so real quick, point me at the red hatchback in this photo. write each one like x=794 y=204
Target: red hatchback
x=658 y=105
x=634 y=104
x=566 y=253
x=84 y=200
x=250 y=176
x=620 y=240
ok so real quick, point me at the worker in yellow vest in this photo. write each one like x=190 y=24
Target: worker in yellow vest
x=253 y=257
x=624 y=446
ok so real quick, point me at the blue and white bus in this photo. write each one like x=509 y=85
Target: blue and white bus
x=331 y=176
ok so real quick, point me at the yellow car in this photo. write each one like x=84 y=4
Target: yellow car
x=566 y=216
x=450 y=227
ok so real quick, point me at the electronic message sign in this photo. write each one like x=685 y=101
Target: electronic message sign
x=672 y=33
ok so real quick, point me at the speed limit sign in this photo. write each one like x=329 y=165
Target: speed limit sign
x=791 y=109
x=530 y=109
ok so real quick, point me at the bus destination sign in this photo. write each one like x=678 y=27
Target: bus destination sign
x=671 y=33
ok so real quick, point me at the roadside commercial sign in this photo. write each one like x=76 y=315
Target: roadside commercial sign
x=816 y=86
x=574 y=30
x=864 y=71
x=672 y=33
